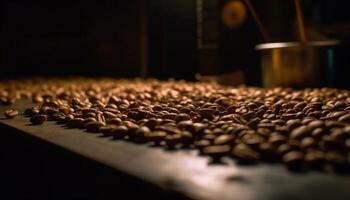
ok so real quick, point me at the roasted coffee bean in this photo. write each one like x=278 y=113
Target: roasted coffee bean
x=224 y=139
x=94 y=127
x=337 y=159
x=345 y=118
x=182 y=117
x=293 y=159
x=115 y=121
x=267 y=152
x=268 y=124
x=277 y=140
x=107 y=129
x=202 y=143
x=316 y=124
x=245 y=153
x=38 y=119
x=300 y=132
x=156 y=136
x=308 y=142
x=76 y=123
x=140 y=134
x=172 y=140
x=119 y=132
x=11 y=113
x=315 y=159
x=216 y=152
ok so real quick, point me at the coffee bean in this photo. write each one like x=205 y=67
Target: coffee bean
x=76 y=123
x=216 y=152
x=300 y=132
x=38 y=119
x=277 y=140
x=94 y=126
x=315 y=159
x=107 y=129
x=345 y=118
x=119 y=132
x=308 y=142
x=173 y=140
x=156 y=136
x=11 y=113
x=224 y=139
x=293 y=159
x=258 y=124
x=245 y=153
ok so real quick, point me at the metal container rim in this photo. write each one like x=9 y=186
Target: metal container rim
x=281 y=45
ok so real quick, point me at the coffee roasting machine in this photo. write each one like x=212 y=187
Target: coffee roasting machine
x=175 y=99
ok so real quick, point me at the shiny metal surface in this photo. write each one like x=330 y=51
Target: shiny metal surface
x=300 y=65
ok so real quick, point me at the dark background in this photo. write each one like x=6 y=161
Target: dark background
x=146 y=38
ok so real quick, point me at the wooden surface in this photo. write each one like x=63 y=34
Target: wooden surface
x=184 y=171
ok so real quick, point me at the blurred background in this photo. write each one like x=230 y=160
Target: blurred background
x=159 y=38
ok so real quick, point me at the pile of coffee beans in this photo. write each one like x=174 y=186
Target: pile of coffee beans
x=304 y=129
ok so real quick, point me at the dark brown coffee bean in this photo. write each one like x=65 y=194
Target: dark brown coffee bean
x=293 y=159
x=119 y=132
x=107 y=129
x=172 y=140
x=329 y=143
x=245 y=153
x=308 y=142
x=316 y=124
x=315 y=159
x=224 y=139
x=254 y=122
x=115 y=121
x=202 y=143
x=76 y=123
x=337 y=160
x=345 y=118
x=339 y=134
x=156 y=136
x=283 y=149
x=140 y=134
x=216 y=152
x=300 y=132
x=277 y=140
x=38 y=119
x=292 y=124
x=94 y=127
x=334 y=124
x=182 y=117
x=11 y=113
x=267 y=152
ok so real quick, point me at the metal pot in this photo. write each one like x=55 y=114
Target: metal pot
x=300 y=65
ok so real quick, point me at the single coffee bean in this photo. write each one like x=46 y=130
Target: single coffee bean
x=156 y=136
x=345 y=118
x=224 y=139
x=315 y=159
x=119 y=132
x=107 y=129
x=300 y=132
x=11 y=113
x=76 y=123
x=216 y=152
x=308 y=142
x=245 y=153
x=267 y=152
x=293 y=159
x=277 y=140
x=172 y=140
x=38 y=119
x=94 y=126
